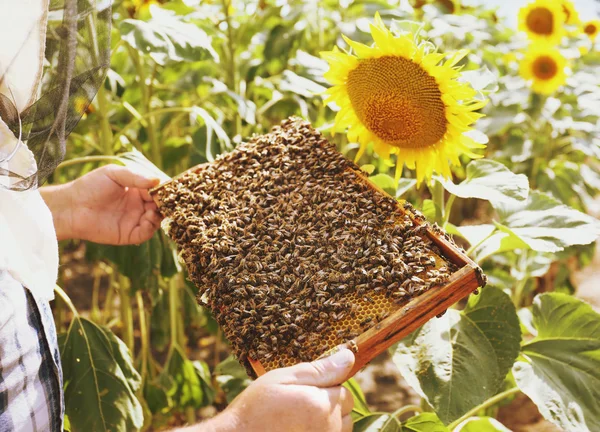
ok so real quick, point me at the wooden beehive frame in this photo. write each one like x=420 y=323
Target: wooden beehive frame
x=417 y=311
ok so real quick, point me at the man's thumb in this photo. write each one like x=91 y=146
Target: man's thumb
x=326 y=372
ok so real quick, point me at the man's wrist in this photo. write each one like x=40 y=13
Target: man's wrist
x=59 y=200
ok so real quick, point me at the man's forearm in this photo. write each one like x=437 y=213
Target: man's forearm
x=58 y=200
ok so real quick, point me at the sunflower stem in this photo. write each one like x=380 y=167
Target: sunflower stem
x=66 y=299
x=437 y=193
x=488 y=403
x=448 y=210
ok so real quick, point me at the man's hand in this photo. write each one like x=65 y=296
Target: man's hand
x=109 y=205
x=302 y=398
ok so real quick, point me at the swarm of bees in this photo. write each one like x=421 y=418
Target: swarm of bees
x=291 y=248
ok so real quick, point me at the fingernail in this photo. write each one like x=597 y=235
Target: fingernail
x=342 y=358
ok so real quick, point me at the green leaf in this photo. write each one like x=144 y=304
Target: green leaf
x=168 y=39
x=404 y=185
x=299 y=85
x=384 y=181
x=490 y=180
x=203 y=373
x=476 y=234
x=232 y=378
x=137 y=162
x=482 y=80
x=174 y=150
x=140 y=263
x=67 y=424
x=378 y=423
x=460 y=360
x=481 y=424
x=212 y=126
x=424 y=422
x=429 y=209
x=361 y=408
x=546 y=225
x=190 y=381
x=100 y=379
x=157 y=397
x=368 y=168
x=560 y=367
x=498 y=243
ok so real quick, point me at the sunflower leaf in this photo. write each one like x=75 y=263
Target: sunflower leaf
x=490 y=180
x=482 y=80
x=481 y=424
x=168 y=39
x=560 y=367
x=404 y=185
x=384 y=181
x=361 y=409
x=101 y=380
x=546 y=225
x=429 y=209
x=460 y=360
x=424 y=422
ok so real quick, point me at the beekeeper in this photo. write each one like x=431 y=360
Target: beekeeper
x=43 y=90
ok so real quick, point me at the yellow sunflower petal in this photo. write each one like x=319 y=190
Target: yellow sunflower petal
x=544 y=66
x=402 y=97
x=571 y=15
x=360 y=49
x=543 y=20
x=592 y=28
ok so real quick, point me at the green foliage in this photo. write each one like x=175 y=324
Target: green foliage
x=231 y=377
x=490 y=180
x=100 y=379
x=541 y=223
x=361 y=408
x=559 y=369
x=546 y=225
x=426 y=422
x=189 y=381
x=167 y=39
x=481 y=424
x=460 y=360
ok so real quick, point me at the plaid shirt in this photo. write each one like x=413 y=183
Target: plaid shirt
x=30 y=376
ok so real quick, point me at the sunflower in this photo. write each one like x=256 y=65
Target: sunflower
x=545 y=66
x=543 y=20
x=404 y=100
x=591 y=28
x=571 y=15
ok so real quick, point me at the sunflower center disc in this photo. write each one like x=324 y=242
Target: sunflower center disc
x=545 y=68
x=590 y=29
x=540 y=21
x=398 y=101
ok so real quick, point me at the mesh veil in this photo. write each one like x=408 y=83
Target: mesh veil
x=77 y=59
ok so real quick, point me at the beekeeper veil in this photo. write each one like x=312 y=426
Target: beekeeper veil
x=52 y=63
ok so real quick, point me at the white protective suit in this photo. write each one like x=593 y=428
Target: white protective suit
x=28 y=245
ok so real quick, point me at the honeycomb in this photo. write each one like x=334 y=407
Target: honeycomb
x=367 y=312
x=293 y=249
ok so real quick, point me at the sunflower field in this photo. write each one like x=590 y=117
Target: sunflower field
x=490 y=127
